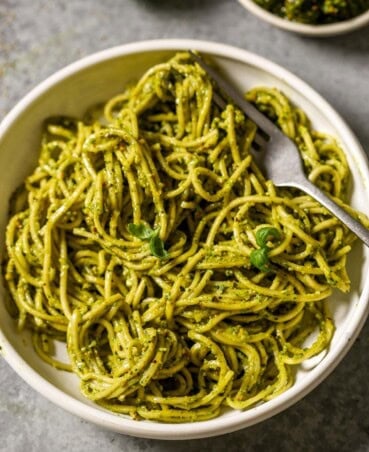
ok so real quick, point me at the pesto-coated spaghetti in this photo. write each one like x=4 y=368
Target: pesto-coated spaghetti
x=181 y=280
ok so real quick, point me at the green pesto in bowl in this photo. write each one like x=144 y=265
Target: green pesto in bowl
x=316 y=12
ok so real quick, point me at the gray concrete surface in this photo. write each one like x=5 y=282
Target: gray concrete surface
x=38 y=37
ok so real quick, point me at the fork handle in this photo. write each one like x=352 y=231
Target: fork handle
x=355 y=226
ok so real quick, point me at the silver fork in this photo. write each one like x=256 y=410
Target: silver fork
x=281 y=160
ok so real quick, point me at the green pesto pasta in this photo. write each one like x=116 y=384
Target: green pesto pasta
x=132 y=241
x=315 y=12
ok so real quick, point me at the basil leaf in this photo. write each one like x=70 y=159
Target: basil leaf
x=264 y=235
x=157 y=247
x=140 y=231
x=146 y=233
x=259 y=259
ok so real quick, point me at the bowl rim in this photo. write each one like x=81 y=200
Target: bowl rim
x=327 y=30
x=237 y=420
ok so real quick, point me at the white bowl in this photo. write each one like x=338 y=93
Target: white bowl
x=333 y=29
x=96 y=78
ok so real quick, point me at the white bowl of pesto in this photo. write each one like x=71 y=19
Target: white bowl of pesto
x=92 y=80
x=318 y=30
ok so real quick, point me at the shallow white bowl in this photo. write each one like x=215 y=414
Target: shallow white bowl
x=334 y=29
x=95 y=78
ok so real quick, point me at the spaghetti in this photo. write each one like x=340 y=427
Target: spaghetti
x=136 y=238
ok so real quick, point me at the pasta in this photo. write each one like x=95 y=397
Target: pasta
x=148 y=240
x=315 y=12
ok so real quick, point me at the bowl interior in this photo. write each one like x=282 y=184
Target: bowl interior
x=71 y=92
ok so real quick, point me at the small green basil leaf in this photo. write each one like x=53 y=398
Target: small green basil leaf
x=263 y=235
x=140 y=231
x=157 y=247
x=259 y=259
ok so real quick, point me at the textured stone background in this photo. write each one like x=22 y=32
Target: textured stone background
x=37 y=37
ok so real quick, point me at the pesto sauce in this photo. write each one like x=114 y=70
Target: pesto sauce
x=316 y=12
